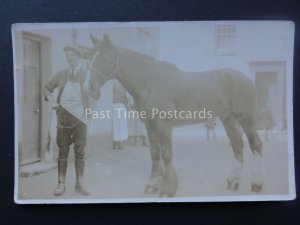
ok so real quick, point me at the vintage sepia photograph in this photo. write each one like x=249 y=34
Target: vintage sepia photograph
x=112 y=112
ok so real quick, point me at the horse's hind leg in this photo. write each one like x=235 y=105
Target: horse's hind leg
x=230 y=125
x=256 y=148
x=154 y=181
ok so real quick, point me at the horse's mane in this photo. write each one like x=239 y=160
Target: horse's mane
x=162 y=65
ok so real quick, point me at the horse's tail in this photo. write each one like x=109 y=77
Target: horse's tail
x=244 y=107
x=243 y=97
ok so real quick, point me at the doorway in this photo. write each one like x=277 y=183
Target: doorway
x=270 y=82
x=31 y=101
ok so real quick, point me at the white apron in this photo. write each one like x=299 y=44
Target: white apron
x=135 y=127
x=120 y=127
x=71 y=100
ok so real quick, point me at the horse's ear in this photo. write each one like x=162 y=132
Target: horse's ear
x=94 y=40
x=106 y=40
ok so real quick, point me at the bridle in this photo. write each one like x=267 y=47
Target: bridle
x=112 y=74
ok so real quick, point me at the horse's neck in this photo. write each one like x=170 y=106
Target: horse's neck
x=129 y=72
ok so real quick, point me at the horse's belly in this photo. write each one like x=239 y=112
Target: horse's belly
x=183 y=122
x=183 y=117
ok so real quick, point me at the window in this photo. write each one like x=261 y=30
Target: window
x=225 y=37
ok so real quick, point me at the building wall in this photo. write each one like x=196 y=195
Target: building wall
x=192 y=46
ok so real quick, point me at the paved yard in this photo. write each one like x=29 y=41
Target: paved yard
x=202 y=168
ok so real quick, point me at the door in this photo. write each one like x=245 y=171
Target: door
x=265 y=83
x=270 y=82
x=30 y=150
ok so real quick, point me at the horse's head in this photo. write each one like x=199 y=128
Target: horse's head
x=104 y=64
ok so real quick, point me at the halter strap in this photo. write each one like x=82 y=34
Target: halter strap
x=112 y=74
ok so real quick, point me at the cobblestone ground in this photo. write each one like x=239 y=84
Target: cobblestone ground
x=202 y=168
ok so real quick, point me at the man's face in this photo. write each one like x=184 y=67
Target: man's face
x=72 y=58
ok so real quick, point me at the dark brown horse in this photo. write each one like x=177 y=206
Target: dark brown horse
x=227 y=93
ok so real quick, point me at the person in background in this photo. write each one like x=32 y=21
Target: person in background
x=120 y=127
x=136 y=129
x=210 y=126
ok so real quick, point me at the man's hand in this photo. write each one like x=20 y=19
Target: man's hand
x=92 y=93
x=81 y=75
x=48 y=98
x=46 y=94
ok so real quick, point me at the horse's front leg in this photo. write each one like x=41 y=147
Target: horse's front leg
x=155 y=179
x=169 y=184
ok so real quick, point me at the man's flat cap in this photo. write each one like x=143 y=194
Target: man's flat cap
x=69 y=48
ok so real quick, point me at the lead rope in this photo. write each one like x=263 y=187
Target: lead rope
x=69 y=127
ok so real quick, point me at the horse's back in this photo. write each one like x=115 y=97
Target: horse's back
x=237 y=91
x=221 y=91
x=224 y=90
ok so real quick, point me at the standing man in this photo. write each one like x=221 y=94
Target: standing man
x=136 y=129
x=71 y=125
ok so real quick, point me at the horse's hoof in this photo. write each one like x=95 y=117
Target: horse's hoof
x=166 y=195
x=256 y=187
x=150 y=189
x=232 y=185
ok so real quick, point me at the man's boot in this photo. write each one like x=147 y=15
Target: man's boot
x=62 y=170
x=79 y=169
